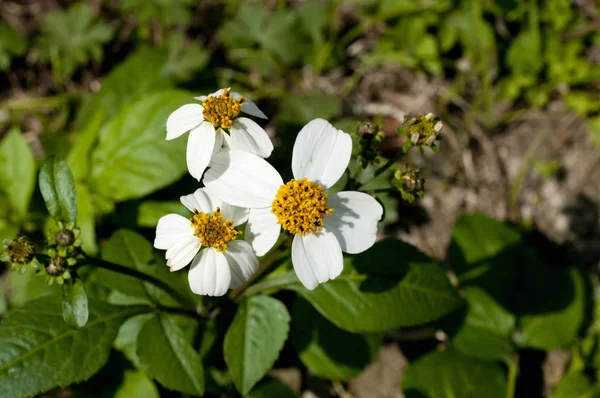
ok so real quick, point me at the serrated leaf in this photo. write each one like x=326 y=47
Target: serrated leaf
x=446 y=374
x=58 y=189
x=133 y=158
x=254 y=339
x=74 y=303
x=126 y=340
x=168 y=357
x=323 y=347
x=389 y=286
x=39 y=351
x=17 y=170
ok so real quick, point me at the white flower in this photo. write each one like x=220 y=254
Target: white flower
x=215 y=123
x=207 y=240
x=324 y=225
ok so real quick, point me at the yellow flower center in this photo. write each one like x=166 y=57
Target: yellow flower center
x=300 y=206
x=212 y=230
x=221 y=110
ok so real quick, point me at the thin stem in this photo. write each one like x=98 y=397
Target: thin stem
x=264 y=266
x=387 y=165
x=513 y=369
x=279 y=281
x=182 y=300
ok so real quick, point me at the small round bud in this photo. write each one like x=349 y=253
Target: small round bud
x=56 y=266
x=64 y=237
x=20 y=251
x=423 y=130
x=366 y=128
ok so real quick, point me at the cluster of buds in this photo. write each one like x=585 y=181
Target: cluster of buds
x=410 y=183
x=20 y=253
x=64 y=251
x=422 y=131
x=368 y=139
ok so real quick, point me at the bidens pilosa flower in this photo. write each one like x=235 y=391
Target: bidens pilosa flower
x=324 y=225
x=207 y=240
x=215 y=123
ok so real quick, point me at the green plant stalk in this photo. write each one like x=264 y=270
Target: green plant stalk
x=386 y=166
x=182 y=300
x=277 y=282
x=265 y=265
x=513 y=370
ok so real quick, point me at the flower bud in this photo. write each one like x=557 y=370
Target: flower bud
x=64 y=237
x=366 y=128
x=20 y=251
x=422 y=131
x=56 y=266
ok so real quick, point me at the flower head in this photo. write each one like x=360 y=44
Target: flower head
x=216 y=123
x=208 y=240
x=323 y=224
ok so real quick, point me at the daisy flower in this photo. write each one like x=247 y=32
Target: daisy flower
x=324 y=225
x=215 y=122
x=207 y=240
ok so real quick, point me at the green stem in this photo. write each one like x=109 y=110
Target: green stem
x=513 y=369
x=279 y=281
x=265 y=264
x=182 y=300
x=389 y=164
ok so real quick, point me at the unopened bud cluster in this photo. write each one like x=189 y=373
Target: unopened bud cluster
x=409 y=183
x=421 y=131
x=64 y=252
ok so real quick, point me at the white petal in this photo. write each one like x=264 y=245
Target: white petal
x=201 y=200
x=354 y=220
x=215 y=94
x=181 y=253
x=242 y=179
x=238 y=215
x=248 y=136
x=209 y=273
x=200 y=148
x=242 y=262
x=171 y=229
x=316 y=258
x=321 y=153
x=184 y=119
x=262 y=230
x=251 y=109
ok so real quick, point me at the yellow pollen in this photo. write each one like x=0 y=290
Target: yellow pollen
x=221 y=110
x=212 y=230
x=300 y=206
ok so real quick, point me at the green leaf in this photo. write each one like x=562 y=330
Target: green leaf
x=524 y=54
x=132 y=250
x=576 y=385
x=58 y=189
x=26 y=287
x=389 y=286
x=553 y=309
x=71 y=38
x=39 y=351
x=12 y=43
x=254 y=339
x=133 y=158
x=300 y=109
x=2 y=302
x=168 y=357
x=165 y=13
x=86 y=219
x=272 y=388
x=137 y=385
x=444 y=374
x=126 y=340
x=185 y=59
x=323 y=347
x=487 y=328
x=17 y=170
x=74 y=303
x=150 y=212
